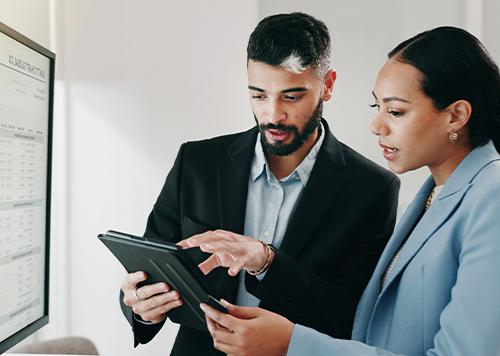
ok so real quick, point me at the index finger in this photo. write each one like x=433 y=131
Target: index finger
x=197 y=240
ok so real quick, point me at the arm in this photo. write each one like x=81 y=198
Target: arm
x=254 y=331
x=163 y=224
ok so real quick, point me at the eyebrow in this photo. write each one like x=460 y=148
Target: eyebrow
x=392 y=98
x=284 y=91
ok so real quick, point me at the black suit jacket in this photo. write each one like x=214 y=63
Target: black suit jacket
x=334 y=238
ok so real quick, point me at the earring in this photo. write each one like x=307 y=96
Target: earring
x=453 y=136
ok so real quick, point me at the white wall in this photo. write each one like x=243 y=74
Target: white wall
x=29 y=17
x=491 y=27
x=140 y=79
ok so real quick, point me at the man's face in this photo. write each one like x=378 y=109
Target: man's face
x=287 y=106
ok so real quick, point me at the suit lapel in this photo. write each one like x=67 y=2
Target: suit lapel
x=372 y=291
x=325 y=182
x=233 y=173
x=439 y=212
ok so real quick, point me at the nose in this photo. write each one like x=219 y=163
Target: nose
x=378 y=127
x=274 y=112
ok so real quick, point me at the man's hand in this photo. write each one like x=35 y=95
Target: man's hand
x=150 y=302
x=248 y=331
x=230 y=250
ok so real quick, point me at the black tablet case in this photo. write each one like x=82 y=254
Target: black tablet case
x=165 y=263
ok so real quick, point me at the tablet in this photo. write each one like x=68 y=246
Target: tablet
x=165 y=262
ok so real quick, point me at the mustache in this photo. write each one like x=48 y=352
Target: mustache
x=291 y=128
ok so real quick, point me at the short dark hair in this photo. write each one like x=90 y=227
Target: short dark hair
x=294 y=41
x=455 y=66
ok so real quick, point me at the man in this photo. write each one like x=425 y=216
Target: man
x=327 y=210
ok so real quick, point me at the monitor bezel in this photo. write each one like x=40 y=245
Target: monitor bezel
x=43 y=320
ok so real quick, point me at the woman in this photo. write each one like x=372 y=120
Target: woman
x=435 y=290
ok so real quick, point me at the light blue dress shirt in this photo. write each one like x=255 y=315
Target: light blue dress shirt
x=271 y=202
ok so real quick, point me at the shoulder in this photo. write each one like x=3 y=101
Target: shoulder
x=484 y=188
x=483 y=201
x=365 y=171
x=487 y=179
x=222 y=141
x=217 y=146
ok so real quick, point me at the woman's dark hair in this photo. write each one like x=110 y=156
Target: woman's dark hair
x=456 y=66
x=278 y=37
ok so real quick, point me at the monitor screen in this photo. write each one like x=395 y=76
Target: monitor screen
x=26 y=96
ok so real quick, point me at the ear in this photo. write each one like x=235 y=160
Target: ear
x=460 y=112
x=328 y=84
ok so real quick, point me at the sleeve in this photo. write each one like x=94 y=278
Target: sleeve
x=164 y=225
x=306 y=341
x=293 y=290
x=470 y=322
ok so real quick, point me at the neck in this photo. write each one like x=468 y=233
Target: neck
x=282 y=166
x=441 y=172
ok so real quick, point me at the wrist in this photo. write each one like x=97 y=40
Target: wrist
x=270 y=253
x=287 y=336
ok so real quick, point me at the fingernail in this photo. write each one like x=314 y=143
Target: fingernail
x=202 y=307
x=224 y=302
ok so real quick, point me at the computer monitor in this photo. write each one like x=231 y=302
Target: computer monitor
x=26 y=100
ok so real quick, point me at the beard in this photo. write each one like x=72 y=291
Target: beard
x=298 y=138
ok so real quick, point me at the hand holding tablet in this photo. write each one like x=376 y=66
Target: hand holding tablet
x=162 y=263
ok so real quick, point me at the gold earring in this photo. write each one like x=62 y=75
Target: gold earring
x=453 y=136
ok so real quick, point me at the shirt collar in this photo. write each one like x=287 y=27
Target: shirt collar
x=303 y=170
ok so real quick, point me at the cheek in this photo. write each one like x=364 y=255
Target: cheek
x=254 y=106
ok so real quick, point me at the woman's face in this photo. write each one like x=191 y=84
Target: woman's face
x=411 y=131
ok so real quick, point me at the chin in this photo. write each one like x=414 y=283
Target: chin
x=398 y=168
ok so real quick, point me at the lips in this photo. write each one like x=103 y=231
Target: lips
x=389 y=152
x=278 y=135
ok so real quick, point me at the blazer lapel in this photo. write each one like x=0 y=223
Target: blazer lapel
x=372 y=291
x=325 y=182
x=439 y=212
x=233 y=173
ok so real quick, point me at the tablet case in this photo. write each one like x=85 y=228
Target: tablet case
x=165 y=262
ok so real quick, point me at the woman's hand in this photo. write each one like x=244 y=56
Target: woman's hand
x=248 y=331
x=230 y=250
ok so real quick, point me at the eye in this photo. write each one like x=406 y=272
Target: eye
x=395 y=113
x=375 y=105
x=258 y=97
x=293 y=97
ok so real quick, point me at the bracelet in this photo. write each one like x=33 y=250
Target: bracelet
x=270 y=249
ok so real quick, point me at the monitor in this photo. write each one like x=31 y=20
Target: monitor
x=26 y=101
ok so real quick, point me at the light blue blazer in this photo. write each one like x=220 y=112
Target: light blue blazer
x=443 y=294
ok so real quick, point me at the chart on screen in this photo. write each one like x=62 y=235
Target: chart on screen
x=24 y=178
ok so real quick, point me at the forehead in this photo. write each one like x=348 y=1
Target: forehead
x=398 y=79
x=274 y=78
